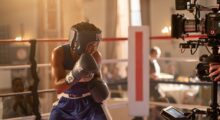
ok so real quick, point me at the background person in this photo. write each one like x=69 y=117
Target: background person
x=155 y=53
x=17 y=106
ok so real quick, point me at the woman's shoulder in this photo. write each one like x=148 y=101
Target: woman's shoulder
x=59 y=50
x=57 y=55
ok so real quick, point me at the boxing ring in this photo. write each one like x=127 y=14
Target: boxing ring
x=33 y=66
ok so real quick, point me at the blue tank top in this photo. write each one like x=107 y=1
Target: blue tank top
x=80 y=87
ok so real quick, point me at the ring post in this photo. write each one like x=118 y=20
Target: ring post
x=138 y=71
x=36 y=79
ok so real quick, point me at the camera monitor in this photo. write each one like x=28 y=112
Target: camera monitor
x=171 y=113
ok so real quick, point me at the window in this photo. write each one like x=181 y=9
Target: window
x=135 y=12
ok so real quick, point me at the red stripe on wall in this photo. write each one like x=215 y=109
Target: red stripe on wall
x=139 y=65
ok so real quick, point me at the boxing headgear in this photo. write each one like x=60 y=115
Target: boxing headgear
x=82 y=39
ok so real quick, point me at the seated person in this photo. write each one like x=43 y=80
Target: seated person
x=16 y=106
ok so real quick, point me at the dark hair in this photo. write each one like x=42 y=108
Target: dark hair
x=16 y=79
x=85 y=26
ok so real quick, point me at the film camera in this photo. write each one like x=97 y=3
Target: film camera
x=209 y=30
x=208 y=26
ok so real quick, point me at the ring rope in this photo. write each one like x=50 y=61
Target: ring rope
x=124 y=103
x=52 y=90
x=170 y=81
x=105 y=61
x=48 y=64
x=26 y=93
x=23 y=66
x=2 y=41
x=185 y=37
x=112 y=83
x=180 y=106
x=178 y=59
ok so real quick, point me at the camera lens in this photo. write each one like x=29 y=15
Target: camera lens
x=202 y=71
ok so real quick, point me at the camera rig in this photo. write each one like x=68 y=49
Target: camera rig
x=209 y=27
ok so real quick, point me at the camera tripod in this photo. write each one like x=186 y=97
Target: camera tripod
x=212 y=112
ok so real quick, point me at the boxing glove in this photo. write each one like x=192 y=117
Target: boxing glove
x=98 y=89
x=85 y=66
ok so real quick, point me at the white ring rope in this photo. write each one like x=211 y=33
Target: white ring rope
x=22 y=66
x=26 y=92
x=124 y=103
x=118 y=105
x=178 y=59
x=105 y=61
x=180 y=106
